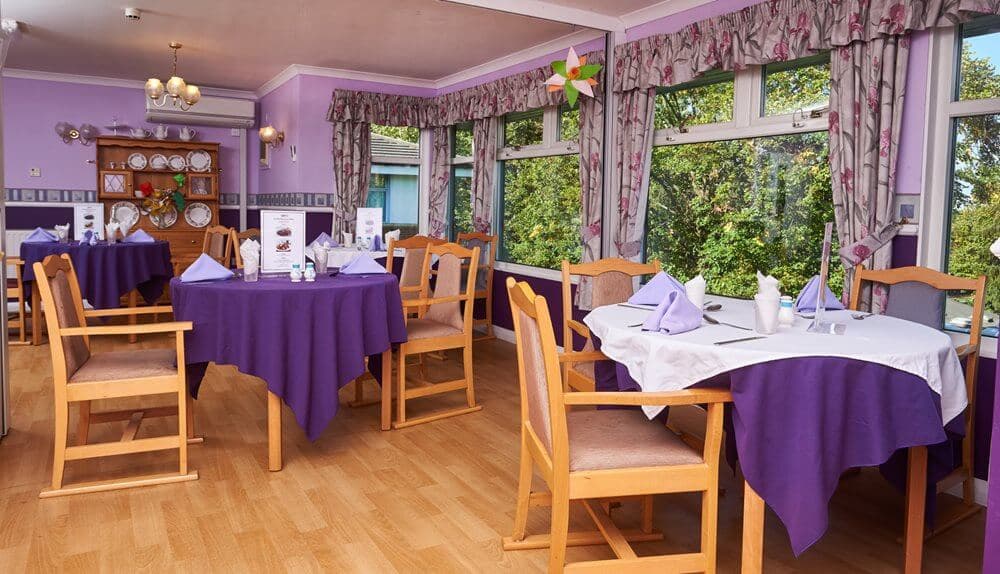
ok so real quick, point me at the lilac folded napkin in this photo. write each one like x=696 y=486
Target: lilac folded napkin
x=205 y=268
x=139 y=236
x=675 y=314
x=377 y=244
x=39 y=235
x=324 y=239
x=88 y=237
x=363 y=264
x=654 y=292
x=806 y=303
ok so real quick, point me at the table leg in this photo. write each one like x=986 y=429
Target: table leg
x=273 y=432
x=36 y=316
x=133 y=302
x=916 y=500
x=387 y=389
x=753 y=531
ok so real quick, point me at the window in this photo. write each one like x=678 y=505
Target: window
x=979 y=54
x=394 y=181
x=460 y=206
x=540 y=188
x=746 y=190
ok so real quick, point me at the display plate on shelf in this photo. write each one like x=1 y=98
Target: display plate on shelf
x=137 y=161
x=197 y=214
x=126 y=213
x=176 y=163
x=199 y=160
x=166 y=220
x=158 y=161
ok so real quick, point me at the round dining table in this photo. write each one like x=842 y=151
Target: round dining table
x=306 y=340
x=106 y=272
x=806 y=406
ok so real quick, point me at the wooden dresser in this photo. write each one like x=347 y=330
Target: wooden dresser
x=118 y=180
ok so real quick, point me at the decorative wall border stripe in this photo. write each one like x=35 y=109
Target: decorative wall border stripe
x=70 y=196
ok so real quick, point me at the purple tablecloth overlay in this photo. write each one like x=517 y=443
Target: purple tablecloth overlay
x=106 y=272
x=798 y=424
x=306 y=340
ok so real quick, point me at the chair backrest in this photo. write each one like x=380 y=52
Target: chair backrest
x=59 y=289
x=542 y=410
x=449 y=284
x=218 y=243
x=614 y=282
x=14 y=264
x=410 y=279
x=487 y=245
x=238 y=238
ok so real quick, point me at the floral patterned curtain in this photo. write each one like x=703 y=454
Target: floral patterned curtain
x=633 y=146
x=484 y=169
x=868 y=83
x=437 y=204
x=591 y=188
x=352 y=166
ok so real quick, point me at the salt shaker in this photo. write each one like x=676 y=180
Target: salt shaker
x=786 y=313
x=296 y=273
x=310 y=273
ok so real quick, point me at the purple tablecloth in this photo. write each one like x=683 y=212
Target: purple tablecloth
x=306 y=340
x=106 y=272
x=798 y=424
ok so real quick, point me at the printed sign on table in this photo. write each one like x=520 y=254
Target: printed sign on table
x=369 y=224
x=88 y=217
x=282 y=240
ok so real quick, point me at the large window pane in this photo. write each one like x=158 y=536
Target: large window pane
x=523 y=129
x=975 y=215
x=729 y=208
x=461 y=200
x=980 y=54
x=541 y=211
x=462 y=145
x=394 y=181
x=707 y=100
x=569 y=123
x=798 y=85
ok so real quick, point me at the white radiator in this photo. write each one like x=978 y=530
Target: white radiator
x=13 y=239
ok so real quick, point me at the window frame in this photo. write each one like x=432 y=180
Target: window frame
x=454 y=162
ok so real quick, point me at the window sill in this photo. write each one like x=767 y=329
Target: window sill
x=530 y=271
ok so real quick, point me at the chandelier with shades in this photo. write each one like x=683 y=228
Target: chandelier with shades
x=181 y=94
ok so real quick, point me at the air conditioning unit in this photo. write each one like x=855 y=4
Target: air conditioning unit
x=209 y=111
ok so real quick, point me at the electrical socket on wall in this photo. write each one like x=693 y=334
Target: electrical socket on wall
x=35 y=172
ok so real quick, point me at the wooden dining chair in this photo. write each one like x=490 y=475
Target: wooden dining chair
x=81 y=376
x=15 y=294
x=487 y=245
x=238 y=238
x=613 y=283
x=909 y=291
x=589 y=456
x=442 y=323
x=218 y=243
x=411 y=275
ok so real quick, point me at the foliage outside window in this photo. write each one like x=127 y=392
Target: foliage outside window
x=708 y=100
x=798 y=85
x=523 y=129
x=460 y=204
x=569 y=123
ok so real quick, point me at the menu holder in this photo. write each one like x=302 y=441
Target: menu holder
x=369 y=225
x=819 y=325
x=88 y=217
x=282 y=240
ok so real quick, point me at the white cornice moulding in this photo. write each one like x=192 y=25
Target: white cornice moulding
x=302 y=70
x=114 y=82
x=657 y=11
x=549 y=11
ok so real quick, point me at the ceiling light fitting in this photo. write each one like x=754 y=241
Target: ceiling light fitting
x=181 y=94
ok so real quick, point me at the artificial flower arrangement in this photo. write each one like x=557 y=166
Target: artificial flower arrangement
x=158 y=202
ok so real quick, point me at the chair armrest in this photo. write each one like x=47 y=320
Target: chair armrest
x=668 y=398
x=582 y=357
x=579 y=327
x=966 y=350
x=13 y=260
x=128 y=311
x=433 y=301
x=171 y=327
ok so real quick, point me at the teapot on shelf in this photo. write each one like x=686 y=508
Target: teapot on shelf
x=140 y=133
x=162 y=132
x=187 y=134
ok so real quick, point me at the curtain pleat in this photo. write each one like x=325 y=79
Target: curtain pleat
x=632 y=149
x=437 y=204
x=484 y=170
x=591 y=189
x=352 y=166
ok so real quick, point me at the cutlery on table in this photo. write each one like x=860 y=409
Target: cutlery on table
x=714 y=321
x=860 y=316
x=739 y=340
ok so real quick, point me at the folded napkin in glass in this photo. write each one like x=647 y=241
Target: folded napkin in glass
x=138 y=236
x=654 y=292
x=39 y=235
x=205 y=268
x=675 y=314
x=806 y=302
x=325 y=239
x=89 y=238
x=363 y=264
x=250 y=254
x=391 y=235
x=376 y=244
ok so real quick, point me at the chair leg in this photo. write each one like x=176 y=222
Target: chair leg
x=560 y=529
x=59 y=452
x=401 y=387
x=183 y=426
x=83 y=425
x=189 y=400
x=647 y=514
x=523 y=492
x=470 y=390
x=709 y=526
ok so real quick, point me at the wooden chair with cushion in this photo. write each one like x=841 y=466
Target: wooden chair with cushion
x=487 y=245
x=238 y=238
x=15 y=294
x=443 y=322
x=81 y=376
x=411 y=275
x=613 y=282
x=589 y=456
x=218 y=243
x=919 y=294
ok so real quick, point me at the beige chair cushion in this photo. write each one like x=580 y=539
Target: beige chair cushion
x=217 y=246
x=608 y=439
x=118 y=365
x=74 y=348
x=585 y=369
x=410 y=275
x=428 y=329
x=611 y=288
x=449 y=283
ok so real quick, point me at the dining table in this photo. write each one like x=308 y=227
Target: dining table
x=807 y=406
x=106 y=272
x=305 y=339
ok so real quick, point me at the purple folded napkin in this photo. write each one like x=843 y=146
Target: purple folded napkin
x=806 y=303
x=654 y=292
x=205 y=268
x=324 y=239
x=139 y=236
x=377 y=244
x=88 y=237
x=675 y=314
x=363 y=264
x=39 y=235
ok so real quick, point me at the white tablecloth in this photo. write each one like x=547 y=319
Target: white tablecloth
x=660 y=362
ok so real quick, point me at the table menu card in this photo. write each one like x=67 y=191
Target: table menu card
x=282 y=240
x=88 y=217
x=369 y=225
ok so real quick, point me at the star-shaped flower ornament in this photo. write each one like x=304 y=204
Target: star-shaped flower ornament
x=574 y=75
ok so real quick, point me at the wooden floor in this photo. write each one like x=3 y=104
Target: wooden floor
x=432 y=498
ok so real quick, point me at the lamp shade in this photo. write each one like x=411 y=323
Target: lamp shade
x=176 y=86
x=191 y=94
x=268 y=134
x=154 y=88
